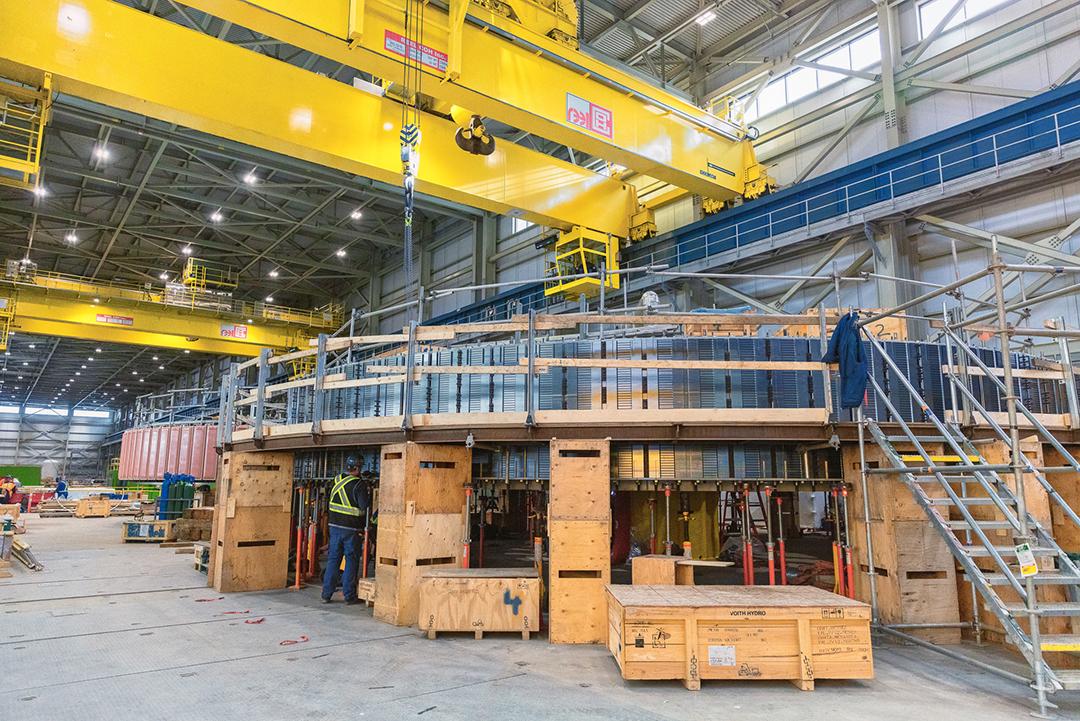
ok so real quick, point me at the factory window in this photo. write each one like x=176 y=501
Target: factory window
x=861 y=53
x=9 y=409
x=43 y=411
x=93 y=414
x=519 y=224
x=931 y=13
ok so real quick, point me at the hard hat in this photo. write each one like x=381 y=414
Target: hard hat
x=350 y=462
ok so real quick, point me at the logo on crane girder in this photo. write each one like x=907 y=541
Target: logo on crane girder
x=594 y=118
x=234 y=330
x=425 y=54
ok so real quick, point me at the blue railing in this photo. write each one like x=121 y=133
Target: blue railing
x=1046 y=122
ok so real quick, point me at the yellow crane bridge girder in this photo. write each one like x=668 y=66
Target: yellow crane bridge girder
x=72 y=307
x=485 y=61
x=125 y=58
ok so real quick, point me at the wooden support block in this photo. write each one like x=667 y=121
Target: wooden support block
x=579 y=540
x=249 y=546
x=421 y=522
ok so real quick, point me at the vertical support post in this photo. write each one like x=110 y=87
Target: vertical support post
x=826 y=374
x=1031 y=601
x=352 y=333
x=603 y=294
x=260 y=393
x=317 y=388
x=223 y=404
x=530 y=378
x=1069 y=377
x=407 y=384
x=231 y=388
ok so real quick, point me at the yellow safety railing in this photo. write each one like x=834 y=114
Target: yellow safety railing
x=7 y=315
x=582 y=251
x=202 y=274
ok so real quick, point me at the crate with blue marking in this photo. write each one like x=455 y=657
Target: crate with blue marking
x=151 y=531
x=480 y=600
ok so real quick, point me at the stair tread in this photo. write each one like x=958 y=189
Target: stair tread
x=1043 y=577
x=963 y=524
x=1069 y=678
x=1007 y=550
x=1060 y=608
x=1060 y=642
x=971 y=501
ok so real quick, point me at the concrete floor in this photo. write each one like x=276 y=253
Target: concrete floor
x=113 y=630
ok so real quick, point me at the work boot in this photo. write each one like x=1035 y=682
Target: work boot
x=327 y=600
x=351 y=601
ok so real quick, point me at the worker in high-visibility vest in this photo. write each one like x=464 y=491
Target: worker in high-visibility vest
x=348 y=504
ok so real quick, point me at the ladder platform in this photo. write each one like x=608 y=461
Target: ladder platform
x=1060 y=642
x=1062 y=608
x=963 y=525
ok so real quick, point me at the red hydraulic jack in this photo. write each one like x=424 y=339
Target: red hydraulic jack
x=849 y=566
x=780 y=539
x=748 y=545
x=769 y=549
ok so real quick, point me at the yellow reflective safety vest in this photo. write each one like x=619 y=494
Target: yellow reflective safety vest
x=343 y=511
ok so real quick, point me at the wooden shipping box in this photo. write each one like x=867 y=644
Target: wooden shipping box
x=148 y=531
x=421 y=522
x=249 y=547
x=92 y=508
x=660 y=570
x=480 y=600
x=579 y=540
x=796 y=633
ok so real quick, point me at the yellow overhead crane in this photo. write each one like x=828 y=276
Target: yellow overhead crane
x=173 y=316
x=511 y=60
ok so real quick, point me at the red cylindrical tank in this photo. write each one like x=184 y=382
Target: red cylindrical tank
x=147 y=454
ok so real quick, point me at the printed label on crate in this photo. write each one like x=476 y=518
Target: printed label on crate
x=588 y=115
x=429 y=56
x=115 y=319
x=234 y=330
x=721 y=655
x=1026 y=559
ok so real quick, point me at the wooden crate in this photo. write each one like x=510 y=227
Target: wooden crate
x=92 y=508
x=690 y=633
x=365 y=591
x=201 y=553
x=12 y=509
x=915 y=574
x=579 y=540
x=480 y=600
x=152 y=531
x=249 y=545
x=421 y=522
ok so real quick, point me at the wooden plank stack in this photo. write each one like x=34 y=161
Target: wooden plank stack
x=421 y=522
x=579 y=530
x=480 y=600
x=691 y=633
x=249 y=549
x=196 y=525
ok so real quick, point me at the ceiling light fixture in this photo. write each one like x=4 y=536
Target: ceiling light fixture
x=250 y=178
x=273 y=274
x=269 y=299
x=164 y=276
x=356 y=214
x=101 y=152
x=340 y=253
x=72 y=237
x=706 y=17
x=186 y=250
x=216 y=217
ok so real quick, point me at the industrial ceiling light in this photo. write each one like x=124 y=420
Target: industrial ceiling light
x=97 y=350
x=134 y=373
x=25 y=363
x=155 y=357
x=40 y=191
x=117 y=385
x=273 y=274
x=356 y=214
x=71 y=237
x=250 y=321
x=250 y=178
x=186 y=350
x=186 y=250
x=269 y=299
x=164 y=276
x=340 y=253
x=161 y=368
x=83 y=366
x=97 y=300
x=32 y=346
x=706 y=17
x=101 y=152
x=78 y=373
x=216 y=217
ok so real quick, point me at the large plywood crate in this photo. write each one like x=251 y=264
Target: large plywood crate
x=249 y=545
x=93 y=508
x=421 y=522
x=579 y=540
x=480 y=600
x=691 y=633
x=914 y=571
x=151 y=531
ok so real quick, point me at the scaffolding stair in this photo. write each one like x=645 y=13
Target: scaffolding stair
x=971 y=482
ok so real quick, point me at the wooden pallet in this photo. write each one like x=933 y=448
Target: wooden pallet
x=695 y=633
